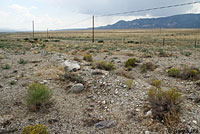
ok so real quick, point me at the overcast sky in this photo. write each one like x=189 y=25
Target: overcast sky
x=62 y=14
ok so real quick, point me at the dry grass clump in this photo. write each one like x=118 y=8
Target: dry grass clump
x=36 y=129
x=50 y=72
x=88 y=58
x=104 y=65
x=148 y=66
x=156 y=83
x=122 y=72
x=73 y=77
x=165 y=105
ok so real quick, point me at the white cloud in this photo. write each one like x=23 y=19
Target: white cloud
x=23 y=10
x=3 y=14
x=195 y=8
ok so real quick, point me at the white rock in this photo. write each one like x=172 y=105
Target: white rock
x=77 y=88
x=149 y=113
x=195 y=122
x=137 y=110
x=147 y=132
x=71 y=65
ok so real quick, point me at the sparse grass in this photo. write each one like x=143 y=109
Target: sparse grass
x=88 y=58
x=37 y=95
x=130 y=63
x=6 y=67
x=104 y=65
x=165 y=105
x=22 y=61
x=36 y=129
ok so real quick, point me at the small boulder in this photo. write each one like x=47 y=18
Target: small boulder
x=77 y=88
x=105 y=124
x=71 y=65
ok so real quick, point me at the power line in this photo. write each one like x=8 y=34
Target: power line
x=150 y=9
x=79 y=21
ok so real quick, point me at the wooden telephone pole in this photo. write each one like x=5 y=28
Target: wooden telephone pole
x=93 y=29
x=47 y=33
x=33 y=29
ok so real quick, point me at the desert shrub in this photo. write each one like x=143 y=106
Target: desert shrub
x=37 y=95
x=165 y=105
x=55 y=40
x=129 y=83
x=108 y=66
x=12 y=82
x=156 y=83
x=100 y=41
x=130 y=63
x=130 y=41
x=36 y=129
x=88 y=58
x=174 y=72
x=148 y=66
x=190 y=73
x=35 y=39
x=22 y=61
x=45 y=40
x=6 y=66
x=162 y=53
x=26 y=39
x=188 y=54
x=137 y=42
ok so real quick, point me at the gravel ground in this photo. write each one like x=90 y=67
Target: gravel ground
x=106 y=97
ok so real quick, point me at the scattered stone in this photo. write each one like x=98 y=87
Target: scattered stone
x=71 y=66
x=147 y=132
x=137 y=110
x=5 y=120
x=198 y=82
x=97 y=73
x=105 y=124
x=1 y=86
x=149 y=113
x=77 y=88
x=195 y=122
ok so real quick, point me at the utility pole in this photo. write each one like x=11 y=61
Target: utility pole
x=33 y=28
x=47 y=33
x=93 y=29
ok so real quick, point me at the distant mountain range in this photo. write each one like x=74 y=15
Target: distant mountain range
x=176 y=21
x=6 y=30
